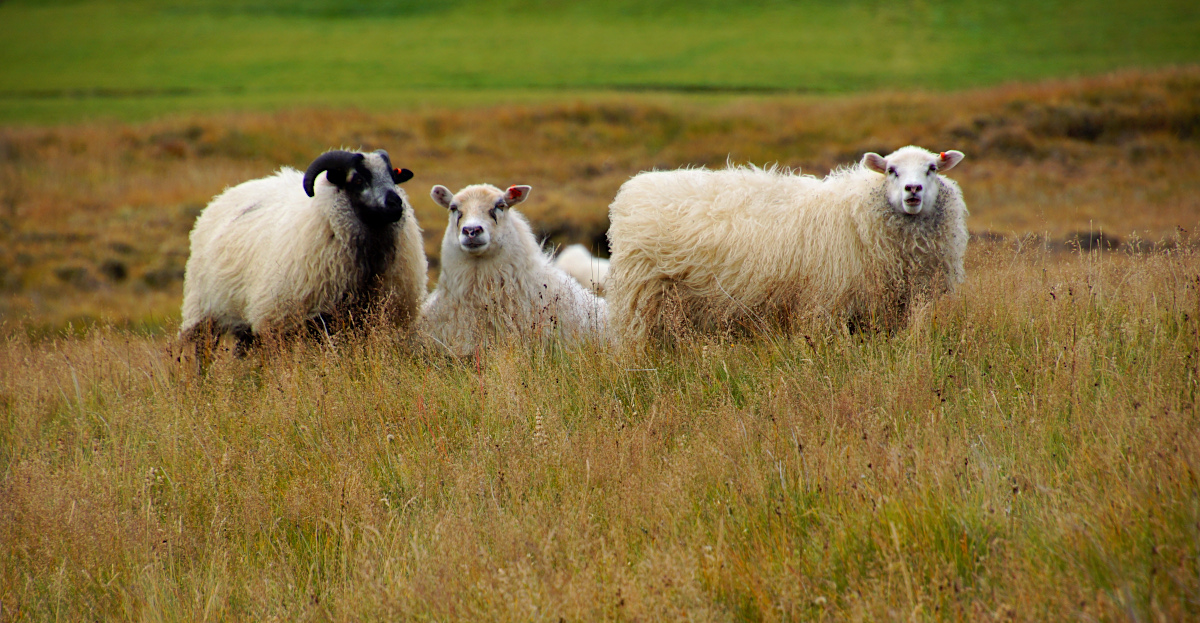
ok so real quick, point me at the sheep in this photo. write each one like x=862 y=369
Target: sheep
x=269 y=254
x=495 y=280
x=750 y=247
x=576 y=261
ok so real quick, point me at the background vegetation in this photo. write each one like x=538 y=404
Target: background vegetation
x=133 y=59
x=1025 y=449
x=94 y=217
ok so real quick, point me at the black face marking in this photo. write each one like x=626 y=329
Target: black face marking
x=374 y=199
x=362 y=175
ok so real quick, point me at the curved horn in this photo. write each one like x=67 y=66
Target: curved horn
x=335 y=160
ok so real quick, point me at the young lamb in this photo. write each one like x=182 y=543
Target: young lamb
x=576 y=261
x=746 y=247
x=271 y=253
x=495 y=280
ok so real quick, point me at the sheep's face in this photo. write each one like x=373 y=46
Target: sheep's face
x=479 y=215
x=370 y=182
x=912 y=176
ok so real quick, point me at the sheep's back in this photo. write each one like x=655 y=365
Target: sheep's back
x=740 y=232
x=252 y=249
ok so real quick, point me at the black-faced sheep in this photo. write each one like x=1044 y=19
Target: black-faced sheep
x=271 y=253
x=746 y=247
x=578 y=262
x=495 y=280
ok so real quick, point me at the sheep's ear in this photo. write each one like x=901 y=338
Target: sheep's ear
x=441 y=195
x=947 y=159
x=336 y=165
x=875 y=162
x=399 y=176
x=516 y=194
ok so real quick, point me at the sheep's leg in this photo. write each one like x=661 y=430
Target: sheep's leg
x=643 y=313
x=857 y=323
x=246 y=340
x=322 y=327
x=204 y=336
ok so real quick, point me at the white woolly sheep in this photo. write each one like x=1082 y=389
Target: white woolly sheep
x=271 y=253
x=495 y=280
x=576 y=261
x=744 y=246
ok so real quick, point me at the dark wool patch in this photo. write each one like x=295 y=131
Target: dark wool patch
x=374 y=253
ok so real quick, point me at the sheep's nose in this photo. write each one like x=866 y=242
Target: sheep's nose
x=913 y=188
x=472 y=231
x=393 y=201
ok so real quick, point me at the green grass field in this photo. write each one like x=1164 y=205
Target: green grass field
x=135 y=59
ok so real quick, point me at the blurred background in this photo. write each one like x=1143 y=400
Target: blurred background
x=121 y=119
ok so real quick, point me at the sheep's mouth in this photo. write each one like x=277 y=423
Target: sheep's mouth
x=473 y=245
x=912 y=201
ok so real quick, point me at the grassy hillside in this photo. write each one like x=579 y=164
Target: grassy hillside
x=137 y=58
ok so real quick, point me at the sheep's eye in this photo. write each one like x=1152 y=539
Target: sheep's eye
x=492 y=212
x=932 y=168
x=892 y=171
x=454 y=208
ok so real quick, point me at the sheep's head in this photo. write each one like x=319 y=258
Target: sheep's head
x=479 y=215
x=912 y=184
x=370 y=183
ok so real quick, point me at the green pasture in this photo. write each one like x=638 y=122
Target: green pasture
x=134 y=59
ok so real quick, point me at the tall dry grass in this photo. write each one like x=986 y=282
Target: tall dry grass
x=94 y=217
x=1025 y=449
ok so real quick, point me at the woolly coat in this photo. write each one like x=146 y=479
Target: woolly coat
x=576 y=261
x=265 y=257
x=514 y=293
x=753 y=247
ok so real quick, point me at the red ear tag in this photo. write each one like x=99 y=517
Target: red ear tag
x=515 y=192
x=942 y=155
x=397 y=171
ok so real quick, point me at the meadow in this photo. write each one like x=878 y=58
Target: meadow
x=1027 y=448
x=1024 y=449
